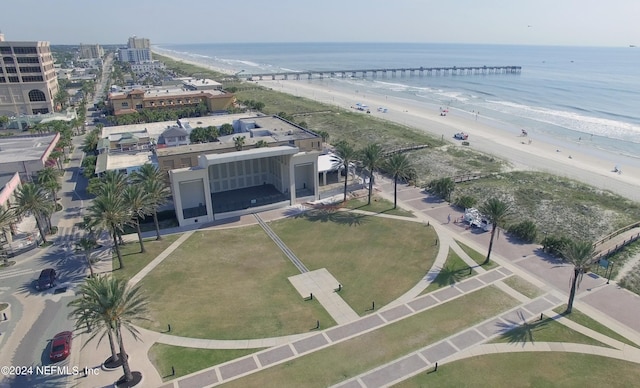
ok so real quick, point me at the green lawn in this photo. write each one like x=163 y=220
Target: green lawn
x=378 y=205
x=229 y=284
x=524 y=287
x=134 y=261
x=531 y=369
x=375 y=259
x=189 y=360
x=454 y=270
x=349 y=358
x=477 y=256
x=3 y=306
x=586 y=321
x=545 y=330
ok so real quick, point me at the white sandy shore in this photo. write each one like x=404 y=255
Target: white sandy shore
x=484 y=135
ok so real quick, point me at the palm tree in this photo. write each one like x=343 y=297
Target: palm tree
x=138 y=202
x=155 y=185
x=90 y=312
x=7 y=218
x=109 y=212
x=347 y=154
x=399 y=167
x=4 y=120
x=497 y=213
x=239 y=142
x=48 y=178
x=56 y=155
x=111 y=179
x=87 y=245
x=108 y=304
x=30 y=198
x=372 y=157
x=90 y=142
x=580 y=254
x=443 y=187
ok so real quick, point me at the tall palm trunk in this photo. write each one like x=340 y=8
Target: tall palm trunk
x=370 y=186
x=89 y=264
x=572 y=293
x=125 y=358
x=142 y=250
x=42 y=234
x=346 y=177
x=395 y=191
x=117 y=248
x=112 y=344
x=493 y=233
x=155 y=221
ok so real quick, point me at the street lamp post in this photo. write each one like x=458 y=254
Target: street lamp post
x=611 y=263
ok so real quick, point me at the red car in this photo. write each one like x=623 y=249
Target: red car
x=61 y=346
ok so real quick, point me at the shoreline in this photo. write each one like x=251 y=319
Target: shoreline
x=485 y=134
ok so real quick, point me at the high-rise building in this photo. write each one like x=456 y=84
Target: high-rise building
x=138 y=51
x=91 y=51
x=138 y=43
x=28 y=82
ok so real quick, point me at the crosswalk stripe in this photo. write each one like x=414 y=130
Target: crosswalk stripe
x=16 y=272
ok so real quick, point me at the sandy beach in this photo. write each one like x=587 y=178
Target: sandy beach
x=485 y=135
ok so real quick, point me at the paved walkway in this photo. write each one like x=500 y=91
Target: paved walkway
x=512 y=258
x=321 y=285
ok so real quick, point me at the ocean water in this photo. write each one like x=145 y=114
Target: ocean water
x=580 y=97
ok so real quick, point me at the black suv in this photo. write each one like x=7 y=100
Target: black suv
x=47 y=279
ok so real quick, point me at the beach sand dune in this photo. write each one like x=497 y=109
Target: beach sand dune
x=485 y=135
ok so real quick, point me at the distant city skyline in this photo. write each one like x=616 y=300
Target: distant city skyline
x=523 y=22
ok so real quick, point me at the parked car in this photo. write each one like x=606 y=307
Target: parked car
x=461 y=136
x=47 y=279
x=61 y=346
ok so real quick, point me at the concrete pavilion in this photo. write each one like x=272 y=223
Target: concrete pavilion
x=242 y=182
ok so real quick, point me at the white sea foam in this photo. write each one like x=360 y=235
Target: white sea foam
x=572 y=120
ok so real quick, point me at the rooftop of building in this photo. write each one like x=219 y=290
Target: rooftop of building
x=6 y=177
x=124 y=160
x=154 y=130
x=163 y=93
x=200 y=83
x=24 y=148
x=38 y=43
x=270 y=129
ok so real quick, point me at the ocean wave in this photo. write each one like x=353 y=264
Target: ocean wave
x=571 y=120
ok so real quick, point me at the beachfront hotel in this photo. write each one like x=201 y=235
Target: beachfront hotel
x=138 y=50
x=91 y=51
x=154 y=99
x=28 y=81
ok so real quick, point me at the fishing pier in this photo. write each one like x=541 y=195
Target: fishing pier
x=374 y=73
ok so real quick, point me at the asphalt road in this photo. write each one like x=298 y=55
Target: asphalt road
x=36 y=316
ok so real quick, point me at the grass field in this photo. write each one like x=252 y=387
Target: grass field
x=134 y=261
x=545 y=330
x=524 y=287
x=586 y=321
x=189 y=360
x=378 y=205
x=533 y=369
x=375 y=259
x=229 y=284
x=477 y=256
x=352 y=357
x=454 y=270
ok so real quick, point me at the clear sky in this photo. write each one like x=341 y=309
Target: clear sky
x=529 y=22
